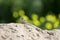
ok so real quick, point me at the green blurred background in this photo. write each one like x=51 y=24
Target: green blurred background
x=44 y=14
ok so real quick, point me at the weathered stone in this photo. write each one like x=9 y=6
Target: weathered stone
x=15 y=31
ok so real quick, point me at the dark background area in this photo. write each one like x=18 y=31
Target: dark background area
x=9 y=10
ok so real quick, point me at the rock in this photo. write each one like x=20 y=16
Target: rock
x=15 y=31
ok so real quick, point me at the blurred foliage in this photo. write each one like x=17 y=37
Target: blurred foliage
x=50 y=21
x=48 y=25
x=43 y=13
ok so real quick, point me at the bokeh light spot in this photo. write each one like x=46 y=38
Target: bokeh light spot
x=48 y=26
x=42 y=19
x=34 y=16
x=56 y=24
x=51 y=18
x=21 y=12
x=15 y=14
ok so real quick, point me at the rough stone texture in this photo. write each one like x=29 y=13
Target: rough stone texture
x=14 y=31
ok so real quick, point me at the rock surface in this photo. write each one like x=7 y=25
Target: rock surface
x=15 y=31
